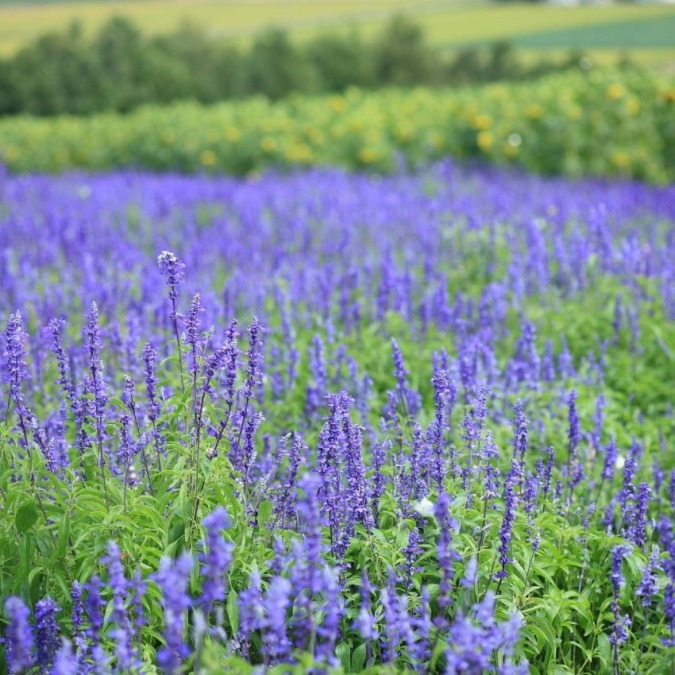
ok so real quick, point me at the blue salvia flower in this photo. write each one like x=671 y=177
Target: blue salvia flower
x=253 y=370
x=648 y=587
x=65 y=661
x=19 y=636
x=15 y=359
x=391 y=635
x=216 y=559
x=379 y=480
x=173 y=578
x=573 y=429
x=357 y=494
x=548 y=372
x=328 y=630
x=619 y=552
x=77 y=616
x=423 y=626
x=669 y=613
x=365 y=622
x=125 y=451
x=598 y=419
x=192 y=325
x=139 y=587
x=276 y=646
x=609 y=464
x=446 y=554
x=251 y=611
x=637 y=530
x=94 y=605
x=122 y=633
x=149 y=358
x=627 y=489
x=412 y=551
x=95 y=364
x=520 y=436
x=64 y=380
x=230 y=364
x=470 y=573
x=442 y=389
x=506 y=527
x=285 y=502
x=46 y=633
x=173 y=270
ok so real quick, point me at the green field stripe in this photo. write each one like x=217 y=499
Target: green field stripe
x=637 y=33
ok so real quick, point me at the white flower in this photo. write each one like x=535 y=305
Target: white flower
x=425 y=507
x=620 y=461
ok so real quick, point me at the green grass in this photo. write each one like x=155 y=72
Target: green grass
x=647 y=30
x=642 y=33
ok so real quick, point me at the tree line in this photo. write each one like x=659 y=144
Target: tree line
x=120 y=68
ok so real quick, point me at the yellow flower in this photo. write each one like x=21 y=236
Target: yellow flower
x=481 y=122
x=484 y=140
x=633 y=106
x=368 y=155
x=207 y=158
x=268 y=144
x=232 y=134
x=615 y=91
x=299 y=152
x=620 y=159
x=337 y=103
x=534 y=111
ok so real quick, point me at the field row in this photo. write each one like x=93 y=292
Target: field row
x=596 y=123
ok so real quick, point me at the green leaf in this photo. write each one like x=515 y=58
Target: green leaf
x=232 y=609
x=359 y=658
x=343 y=651
x=264 y=513
x=26 y=517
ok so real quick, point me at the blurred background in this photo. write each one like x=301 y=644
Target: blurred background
x=239 y=86
x=92 y=55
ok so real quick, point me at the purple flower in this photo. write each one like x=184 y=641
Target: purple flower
x=507 y=524
x=46 y=633
x=253 y=371
x=619 y=552
x=648 y=586
x=637 y=529
x=251 y=611
x=19 y=636
x=446 y=554
x=173 y=578
x=520 y=437
x=573 y=429
x=470 y=573
x=65 y=661
x=192 y=324
x=172 y=269
x=149 y=358
x=216 y=560
x=365 y=622
x=122 y=634
x=609 y=465
x=276 y=645
x=64 y=380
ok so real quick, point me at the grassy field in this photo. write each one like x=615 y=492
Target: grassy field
x=648 y=30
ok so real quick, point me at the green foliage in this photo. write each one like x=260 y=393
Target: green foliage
x=121 y=69
x=598 y=123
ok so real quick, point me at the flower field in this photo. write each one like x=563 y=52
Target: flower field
x=335 y=423
x=598 y=123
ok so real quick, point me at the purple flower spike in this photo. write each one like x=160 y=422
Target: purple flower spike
x=216 y=560
x=19 y=636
